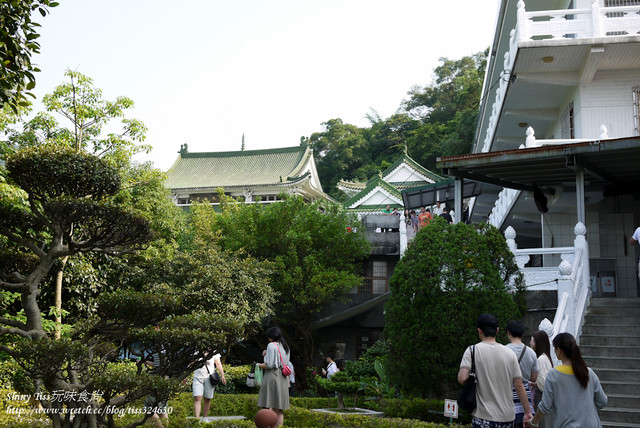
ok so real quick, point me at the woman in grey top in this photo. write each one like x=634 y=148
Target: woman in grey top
x=572 y=391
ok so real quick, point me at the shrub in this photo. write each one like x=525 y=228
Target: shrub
x=363 y=367
x=448 y=276
x=341 y=384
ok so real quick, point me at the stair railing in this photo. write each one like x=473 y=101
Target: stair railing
x=570 y=279
x=574 y=288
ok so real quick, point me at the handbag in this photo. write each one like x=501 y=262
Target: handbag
x=214 y=378
x=286 y=371
x=251 y=377
x=467 y=398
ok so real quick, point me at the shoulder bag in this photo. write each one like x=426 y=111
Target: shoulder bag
x=214 y=377
x=286 y=371
x=467 y=398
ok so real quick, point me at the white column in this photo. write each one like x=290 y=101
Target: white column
x=457 y=201
x=580 y=196
x=403 y=234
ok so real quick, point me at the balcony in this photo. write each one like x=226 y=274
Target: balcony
x=555 y=50
x=383 y=233
x=593 y=22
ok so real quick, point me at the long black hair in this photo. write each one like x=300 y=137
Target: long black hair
x=542 y=344
x=567 y=343
x=275 y=334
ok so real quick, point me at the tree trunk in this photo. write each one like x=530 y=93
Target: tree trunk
x=59 y=277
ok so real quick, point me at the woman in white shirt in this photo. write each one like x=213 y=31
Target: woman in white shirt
x=203 y=388
x=540 y=344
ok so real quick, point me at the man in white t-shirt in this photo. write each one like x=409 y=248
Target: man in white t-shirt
x=203 y=388
x=332 y=367
x=497 y=370
x=634 y=240
x=438 y=209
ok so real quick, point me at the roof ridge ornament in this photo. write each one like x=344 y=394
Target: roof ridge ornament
x=242 y=147
x=184 y=148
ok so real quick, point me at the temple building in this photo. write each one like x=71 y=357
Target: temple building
x=248 y=175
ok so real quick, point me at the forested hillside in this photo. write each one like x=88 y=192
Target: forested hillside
x=435 y=120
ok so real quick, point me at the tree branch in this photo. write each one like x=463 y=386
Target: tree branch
x=13 y=323
x=22 y=286
x=10 y=351
x=17 y=331
x=22 y=241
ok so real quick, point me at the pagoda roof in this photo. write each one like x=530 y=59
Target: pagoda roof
x=405 y=159
x=388 y=195
x=386 y=187
x=244 y=168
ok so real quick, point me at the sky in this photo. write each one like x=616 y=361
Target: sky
x=205 y=72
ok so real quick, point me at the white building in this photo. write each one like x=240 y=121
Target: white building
x=558 y=131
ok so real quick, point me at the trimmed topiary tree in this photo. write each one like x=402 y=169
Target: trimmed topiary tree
x=448 y=276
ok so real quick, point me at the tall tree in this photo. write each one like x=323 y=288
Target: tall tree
x=69 y=202
x=447 y=109
x=18 y=41
x=315 y=250
x=339 y=151
x=82 y=106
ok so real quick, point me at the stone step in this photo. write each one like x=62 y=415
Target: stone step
x=613 y=320
x=625 y=401
x=621 y=387
x=619 y=425
x=616 y=414
x=616 y=301
x=617 y=374
x=609 y=340
x=628 y=310
x=613 y=363
x=609 y=351
x=630 y=330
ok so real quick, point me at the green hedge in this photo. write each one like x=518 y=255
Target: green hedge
x=400 y=413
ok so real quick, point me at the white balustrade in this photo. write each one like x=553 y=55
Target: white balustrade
x=503 y=205
x=571 y=279
x=595 y=21
x=532 y=141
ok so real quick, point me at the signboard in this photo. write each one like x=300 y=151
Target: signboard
x=608 y=284
x=450 y=408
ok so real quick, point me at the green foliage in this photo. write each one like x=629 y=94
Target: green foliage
x=80 y=103
x=448 y=276
x=342 y=385
x=312 y=255
x=447 y=109
x=18 y=41
x=236 y=380
x=306 y=418
x=364 y=367
x=378 y=388
x=72 y=203
x=421 y=409
x=19 y=416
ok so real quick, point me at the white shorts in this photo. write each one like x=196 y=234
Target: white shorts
x=202 y=388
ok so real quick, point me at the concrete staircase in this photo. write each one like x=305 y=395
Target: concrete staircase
x=610 y=344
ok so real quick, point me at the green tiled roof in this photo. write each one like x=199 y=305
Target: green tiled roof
x=415 y=165
x=240 y=168
x=372 y=184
